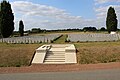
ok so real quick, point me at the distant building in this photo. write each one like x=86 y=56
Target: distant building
x=26 y=34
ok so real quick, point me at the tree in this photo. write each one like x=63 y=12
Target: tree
x=6 y=19
x=102 y=29
x=21 y=28
x=89 y=29
x=111 y=20
x=36 y=30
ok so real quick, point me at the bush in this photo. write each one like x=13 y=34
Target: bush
x=51 y=41
x=18 y=65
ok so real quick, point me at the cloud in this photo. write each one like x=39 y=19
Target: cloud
x=43 y=16
x=102 y=11
x=105 y=1
x=30 y=9
x=48 y=17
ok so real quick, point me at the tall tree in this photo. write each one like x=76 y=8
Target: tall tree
x=6 y=19
x=111 y=20
x=21 y=28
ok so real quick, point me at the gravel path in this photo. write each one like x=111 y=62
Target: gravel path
x=59 y=68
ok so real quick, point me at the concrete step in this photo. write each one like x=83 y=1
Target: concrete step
x=55 y=52
x=57 y=49
x=54 y=60
x=55 y=56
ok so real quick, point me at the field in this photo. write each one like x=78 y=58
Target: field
x=98 y=52
x=16 y=54
x=87 y=52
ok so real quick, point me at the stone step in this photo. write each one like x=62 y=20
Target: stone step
x=56 y=52
x=55 y=56
x=54 y=60
x=57 y=49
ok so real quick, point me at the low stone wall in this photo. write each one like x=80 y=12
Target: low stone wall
x=40 y=54
x=70 y=54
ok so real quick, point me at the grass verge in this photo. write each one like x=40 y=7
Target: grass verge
x=98 y=52
x=16 y=55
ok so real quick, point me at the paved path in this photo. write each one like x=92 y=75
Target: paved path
x=111 y=74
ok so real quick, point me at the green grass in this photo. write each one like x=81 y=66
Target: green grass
x=61 y=40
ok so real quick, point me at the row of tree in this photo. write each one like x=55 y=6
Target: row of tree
x=85 y=29
x=7 y=21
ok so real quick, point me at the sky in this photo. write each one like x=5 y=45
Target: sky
x=62 y=14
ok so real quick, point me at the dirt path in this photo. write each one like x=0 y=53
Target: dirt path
x=59 y=68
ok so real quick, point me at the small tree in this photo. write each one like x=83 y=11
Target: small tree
x=102 y=29
x=21 y=28
x=6 y=19
x=111 y=20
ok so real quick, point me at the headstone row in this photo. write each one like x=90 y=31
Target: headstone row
x=30 y=39
x=93 y=37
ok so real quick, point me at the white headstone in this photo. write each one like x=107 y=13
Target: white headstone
x=113 y=32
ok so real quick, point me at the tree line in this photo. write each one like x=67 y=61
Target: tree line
x=85 y=29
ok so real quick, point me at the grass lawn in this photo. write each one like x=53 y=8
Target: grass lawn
x=16 y=54
x=61 y=40
x=98 y=52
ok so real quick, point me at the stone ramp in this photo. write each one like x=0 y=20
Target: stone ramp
x=55 y=54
